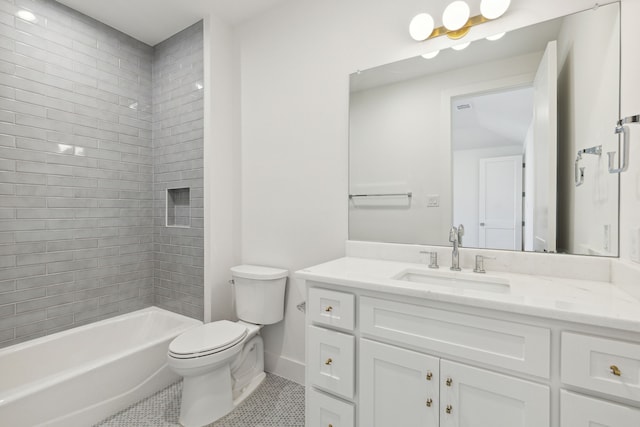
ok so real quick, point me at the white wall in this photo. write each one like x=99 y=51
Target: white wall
x=295 y=63
x=222 y=168
x=588 y=107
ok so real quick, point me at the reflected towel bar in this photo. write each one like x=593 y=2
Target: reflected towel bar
x=409 y=195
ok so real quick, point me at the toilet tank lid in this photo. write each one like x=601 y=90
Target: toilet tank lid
x=258 y=272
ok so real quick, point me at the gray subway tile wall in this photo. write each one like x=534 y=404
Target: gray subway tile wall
x=80 y=232
x=178 y=132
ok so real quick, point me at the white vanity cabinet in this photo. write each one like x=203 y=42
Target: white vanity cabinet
x=398 y=387
x=404 y=387
x=407 y=388
x=582 y=411
x=331 y=363
x=601 y=365
x=377 y=357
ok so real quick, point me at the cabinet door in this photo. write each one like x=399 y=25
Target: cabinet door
x=331 y=361
x=582 y=411
x=398 y=387
x=472 y=397
x=324 y=411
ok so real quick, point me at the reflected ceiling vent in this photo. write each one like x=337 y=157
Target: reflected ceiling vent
x=461 y=107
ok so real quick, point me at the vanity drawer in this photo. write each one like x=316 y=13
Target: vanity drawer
x=601 y=364
x=325 y=411
x=582 y=411
x=331 y=308
x=331 y=361
x=506 y=345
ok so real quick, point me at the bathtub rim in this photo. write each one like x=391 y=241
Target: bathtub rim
x=16 y=393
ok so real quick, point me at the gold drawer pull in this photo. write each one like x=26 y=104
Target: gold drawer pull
x=429 y=376
x=429 y=402
x=328 y=309
x=449 y=409
x=449 y=382
x=615 y=371
x=329 y=361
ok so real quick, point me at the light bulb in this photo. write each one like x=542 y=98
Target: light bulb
x=456 y=15
x=421 y=26
x=431 y=55
x=496 y=36
x=461 y=46
x=492 y=9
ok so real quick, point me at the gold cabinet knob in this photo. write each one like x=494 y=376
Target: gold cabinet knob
x=329 y=361
x=429 y=376
x=330 y=425
x=449 y=382
x=615 y=371
x=328 y=309
x=449 y=409
x=429 y=402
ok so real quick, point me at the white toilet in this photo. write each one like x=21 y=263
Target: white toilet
x=223 y=362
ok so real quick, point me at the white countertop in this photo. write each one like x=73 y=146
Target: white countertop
x=590 y=302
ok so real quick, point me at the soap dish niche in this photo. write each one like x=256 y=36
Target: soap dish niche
x=178 y=207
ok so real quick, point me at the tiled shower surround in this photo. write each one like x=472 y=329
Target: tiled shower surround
x=78 y=239
x=178 y=126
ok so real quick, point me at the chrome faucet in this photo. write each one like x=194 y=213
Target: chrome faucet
x=460 y=234
x=455 y=237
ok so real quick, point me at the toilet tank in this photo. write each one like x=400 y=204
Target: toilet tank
x=259 y=293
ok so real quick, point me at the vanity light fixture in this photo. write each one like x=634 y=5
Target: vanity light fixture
x=494 y=9
x=496 y=37
x=431 y=55
x=421 y=26
x=456 y=15
x=461 y=46
x=456 y=20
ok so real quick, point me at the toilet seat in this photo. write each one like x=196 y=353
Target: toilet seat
x=207 y=339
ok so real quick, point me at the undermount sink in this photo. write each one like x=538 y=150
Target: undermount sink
x=458 y=280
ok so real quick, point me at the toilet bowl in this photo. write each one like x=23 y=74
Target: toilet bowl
x=223 y=362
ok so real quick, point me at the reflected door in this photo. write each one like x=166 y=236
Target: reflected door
x=500 y=203
x=545 y=146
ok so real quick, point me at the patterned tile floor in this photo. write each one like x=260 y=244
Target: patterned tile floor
x=276 y=403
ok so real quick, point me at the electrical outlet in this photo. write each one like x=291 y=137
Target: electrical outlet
x=635 y=244
x=607 y=238
x=433 y=200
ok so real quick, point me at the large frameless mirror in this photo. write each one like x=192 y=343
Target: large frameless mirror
x=506 y=137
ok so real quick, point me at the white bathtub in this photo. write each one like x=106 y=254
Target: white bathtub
x=81 y=376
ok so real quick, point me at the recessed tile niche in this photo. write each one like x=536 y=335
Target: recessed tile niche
x=178 y=207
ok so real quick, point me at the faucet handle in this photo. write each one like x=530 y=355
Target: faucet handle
x=433 y=258
x=453 y=234
x=479 y=268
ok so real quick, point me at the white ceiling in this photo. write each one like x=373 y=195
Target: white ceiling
x=492 y=119
x=153 y=21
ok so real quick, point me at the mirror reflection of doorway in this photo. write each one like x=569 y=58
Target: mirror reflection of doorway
x=489 y=137
x=500 y=202
x=494 y=134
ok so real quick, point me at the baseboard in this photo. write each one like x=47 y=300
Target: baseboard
x=284 y=367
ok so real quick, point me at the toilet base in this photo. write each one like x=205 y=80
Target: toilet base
x=201 y=403
x=249 y=389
